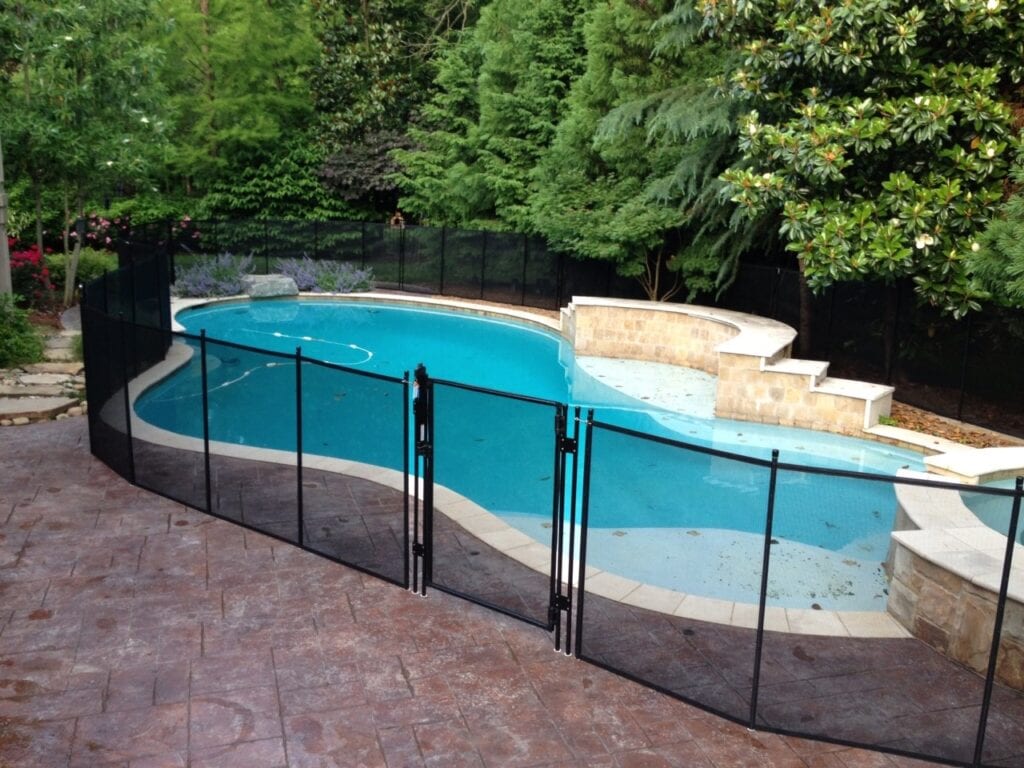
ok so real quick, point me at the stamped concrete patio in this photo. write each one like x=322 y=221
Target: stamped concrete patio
x=137 y=632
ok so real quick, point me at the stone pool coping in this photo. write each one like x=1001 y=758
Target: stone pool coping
x=518 y=546
x=769 y=342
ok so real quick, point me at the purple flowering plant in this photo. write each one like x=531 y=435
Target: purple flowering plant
x=219 y=276
x=325 y=276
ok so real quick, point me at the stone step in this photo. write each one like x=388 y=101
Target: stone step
x=72 y=369
x=31 y=390
x=45 y=378
x=59 y=355
x=60 y=341
x=12 y=408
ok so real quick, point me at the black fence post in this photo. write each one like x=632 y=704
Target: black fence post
x=298 y=442
x=444 y=233
x=526 y=260
x=584 y=521
x=997 y=629
x=127 y=398
x=405 y=475
x=401 y=258
x=424 y=409
x=316 y=239
x=483 y=264
x=266 y=247
x=963 y=368
x=362 y=244
x=206 y=419
x=763 y=599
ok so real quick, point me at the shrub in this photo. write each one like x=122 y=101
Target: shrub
x=220 y=276
x=303 y=271
x=329 y=276
x=342 y=277
x=20 y=342
x=30 y=276
x=91 y=264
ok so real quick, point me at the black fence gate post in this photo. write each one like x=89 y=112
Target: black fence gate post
x=298 y=443
x=423 y=408
x=584 y=522
x=963 y=368
x=127 y=398
x=206 y=419
x=763 y=599
x=444 y=233
x=997 y=628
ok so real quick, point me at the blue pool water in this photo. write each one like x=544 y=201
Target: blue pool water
x=499 y=452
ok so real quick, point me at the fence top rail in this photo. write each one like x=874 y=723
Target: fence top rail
x=782 y=466
x=498 y=393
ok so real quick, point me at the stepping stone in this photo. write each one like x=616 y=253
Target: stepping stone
x=16 y=408
x=68 y=368
x=31 y=390
x=60 y=342
x=45 y=378
x=65 y=355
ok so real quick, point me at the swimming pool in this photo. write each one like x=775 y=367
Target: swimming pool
x=818 y=519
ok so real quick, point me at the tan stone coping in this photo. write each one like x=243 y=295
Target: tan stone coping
x=758 y=336
x=978 y=465
x=951 y=537
x=495 y=532
x=399 y=299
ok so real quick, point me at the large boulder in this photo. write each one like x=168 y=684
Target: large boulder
x=269 y=286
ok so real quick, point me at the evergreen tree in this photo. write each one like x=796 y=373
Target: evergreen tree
x=631 y=174
x=523 y=56
x=997 y=259
x=238 y=73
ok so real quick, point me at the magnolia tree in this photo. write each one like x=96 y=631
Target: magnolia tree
x=879 y=130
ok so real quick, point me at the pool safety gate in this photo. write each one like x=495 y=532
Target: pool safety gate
x=395 y=510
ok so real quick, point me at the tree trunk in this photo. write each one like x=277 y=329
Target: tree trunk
x=71 y=267
x=6 y=285
x=805 y=331
x=37 y=192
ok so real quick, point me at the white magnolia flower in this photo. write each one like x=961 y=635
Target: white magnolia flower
x=923 y=240
x=992 y=5
x=69 y=38
x=975 y=246
x=109 y=163
x=990 y=152
x=144 y=120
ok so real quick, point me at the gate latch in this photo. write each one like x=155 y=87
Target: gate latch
x=567 y=444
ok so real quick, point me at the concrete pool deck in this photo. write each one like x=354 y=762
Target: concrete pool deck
x=136 y=632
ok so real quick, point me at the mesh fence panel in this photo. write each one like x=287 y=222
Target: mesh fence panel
x=341 y=241
x=167 y=440
x=1004 y=735
x=463 y=263
x=497 y=452
x=995 y=376
x=383 y=253
x=355 y=510
x=675 y=537
x=422 y=266
x=108 y=437
x=540 y=287
x=837 y=661
x=252 y=406
x=502 y=278
x=289 y=240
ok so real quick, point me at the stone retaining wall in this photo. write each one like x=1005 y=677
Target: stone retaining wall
x=757 y=380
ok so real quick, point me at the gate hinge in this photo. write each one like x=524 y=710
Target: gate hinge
x=562 y=603
x=567 y=444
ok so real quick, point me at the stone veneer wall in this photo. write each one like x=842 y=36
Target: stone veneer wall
x=746 y=389
x=636 y=333
x=749 y=393
x=955 y=616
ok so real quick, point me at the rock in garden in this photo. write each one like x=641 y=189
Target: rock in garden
x=267 y=286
